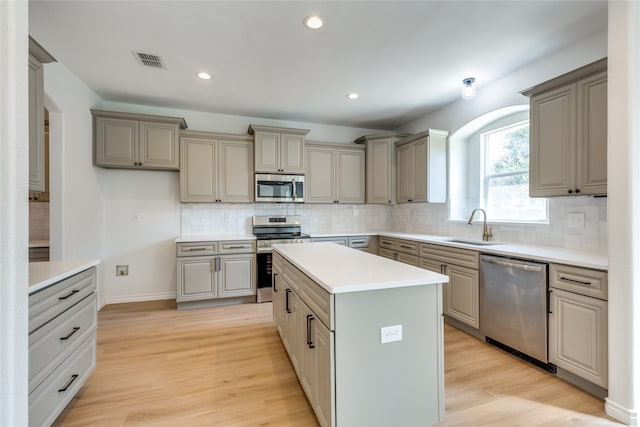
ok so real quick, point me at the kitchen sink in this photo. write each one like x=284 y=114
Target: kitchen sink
x=472 y=242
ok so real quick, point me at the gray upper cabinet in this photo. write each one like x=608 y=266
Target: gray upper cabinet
x=569 y=134
x=278 y=150
x=421 y=167
x=136 y=141
x=216 y=168
x=37 y=57
x=335 y=173
x=381 y=166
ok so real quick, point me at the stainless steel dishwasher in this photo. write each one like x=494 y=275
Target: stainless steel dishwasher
x=513 y=305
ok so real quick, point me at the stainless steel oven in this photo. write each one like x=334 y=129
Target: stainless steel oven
x=270 y=230
x=279 y=188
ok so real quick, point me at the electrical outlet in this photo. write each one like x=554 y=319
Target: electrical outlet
x=122 y=270
x=575 y=220
x=390 y=334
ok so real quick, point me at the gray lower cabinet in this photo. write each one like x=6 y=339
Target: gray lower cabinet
x=578 y=323
x=62 y=344
x=214 y=273
x=365 y=243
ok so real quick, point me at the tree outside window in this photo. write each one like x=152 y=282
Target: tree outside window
x=505 y=176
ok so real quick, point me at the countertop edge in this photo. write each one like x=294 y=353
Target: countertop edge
x=213 y=238
x=57 y=271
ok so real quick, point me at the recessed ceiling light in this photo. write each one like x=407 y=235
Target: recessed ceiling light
x=353 y=95
x=313 y=22
x=203 y=75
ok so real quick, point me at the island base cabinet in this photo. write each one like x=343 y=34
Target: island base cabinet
x=578 y=335
x=394 y=383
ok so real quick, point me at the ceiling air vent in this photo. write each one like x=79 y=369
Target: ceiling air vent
x=150 y=60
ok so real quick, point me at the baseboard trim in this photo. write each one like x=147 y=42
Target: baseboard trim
x=621 y=413
x=138 y=298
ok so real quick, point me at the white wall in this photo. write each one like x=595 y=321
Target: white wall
x=76 y=205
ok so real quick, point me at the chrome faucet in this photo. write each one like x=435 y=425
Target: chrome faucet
x=486 y=232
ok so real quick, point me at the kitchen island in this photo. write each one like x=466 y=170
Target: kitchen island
x=363 y=333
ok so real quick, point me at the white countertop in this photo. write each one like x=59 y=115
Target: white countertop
x=214 y=237
x=43 y=274
x=579 y=258
x=339 y=269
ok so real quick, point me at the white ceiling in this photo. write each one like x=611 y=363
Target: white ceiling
x=405 y=58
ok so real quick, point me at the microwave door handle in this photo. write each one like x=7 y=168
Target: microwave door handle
x=293 y=192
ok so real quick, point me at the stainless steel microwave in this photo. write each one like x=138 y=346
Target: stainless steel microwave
x=279 y=188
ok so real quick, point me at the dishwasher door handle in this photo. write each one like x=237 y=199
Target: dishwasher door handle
x=514 y=265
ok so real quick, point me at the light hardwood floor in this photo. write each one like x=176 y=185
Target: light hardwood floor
x=225 y=366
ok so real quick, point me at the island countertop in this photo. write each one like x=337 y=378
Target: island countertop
x=339 y=269
x=43 y=274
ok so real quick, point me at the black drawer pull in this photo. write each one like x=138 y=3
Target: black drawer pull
x=359 y=242
x=275 y=288
x=73 y=331
x=68 y=384
x=286 y=304
x=309 y=341
x=73 y=292
x=197 y=249
x=579 y=282
x=235 y=247
x=406 y=246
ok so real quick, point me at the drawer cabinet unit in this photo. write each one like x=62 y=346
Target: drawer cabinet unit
x=216 y=168
x=381 y=166
x=334 y=174
x=215 y=273
x=462 y=294
x=404 y=251
x=569 y=133
x=62 y=344
x=578 y=341
x=364 y=243
x=278 y=150
x=136 y=141
x=421 y=167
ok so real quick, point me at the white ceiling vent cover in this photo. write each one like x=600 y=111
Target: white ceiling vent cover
x=150 y=60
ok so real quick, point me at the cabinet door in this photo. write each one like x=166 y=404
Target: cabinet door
x=235 y=176
x=431 y=265
x=197 y=279
x=461 y=295
x=552 y=163
x=592 y=134
x=324 y=394
x=307 y=372
x=291 y=153
x=405 y=174
x=350 y=176
x=116 y=142
x=419 y=160
x=197 y=170
x=292 y=314
x=578 y=335
x=37 y=176
x=320 y=177
x=267 y=152
x=237 y=275
x=278 y=301
x=159 y=145
x=380 y=172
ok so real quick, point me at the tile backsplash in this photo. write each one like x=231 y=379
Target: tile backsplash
x=38 y=221
x=422 y=218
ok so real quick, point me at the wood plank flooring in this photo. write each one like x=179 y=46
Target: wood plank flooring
x=225 y=366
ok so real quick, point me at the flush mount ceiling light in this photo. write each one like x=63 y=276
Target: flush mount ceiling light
x=468 y=90
x=204 y=76
x=353 y=95
x=313 y=22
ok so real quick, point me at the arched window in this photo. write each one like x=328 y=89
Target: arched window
x=489 y=168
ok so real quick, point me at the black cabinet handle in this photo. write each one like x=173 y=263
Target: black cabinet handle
x=549 y=301
x=570 y=191
x=275 y=276
x=579 y=282
x=73 y=331
x=577 y=190
x=286 y=304
x=309 y=341
x=68 y=384
x=73 y=292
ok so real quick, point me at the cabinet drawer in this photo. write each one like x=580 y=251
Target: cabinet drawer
x=360 y=242
x=237 y=247
x=277 y=262
x=388 y=243
x=318 y=300
x=291 y=275
x=52 y=343
x=344 y=241
x=387 y=253
x=197 y=249
x=582 y=281
x=448 y=255
x=408 y=247
x=49 y=302
x=49 y=398
x=408 y=259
